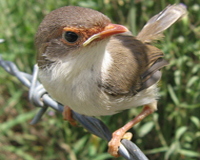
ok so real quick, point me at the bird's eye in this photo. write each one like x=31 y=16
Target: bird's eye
x=70 y=37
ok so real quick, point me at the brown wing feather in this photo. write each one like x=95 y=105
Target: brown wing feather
x=134 y=65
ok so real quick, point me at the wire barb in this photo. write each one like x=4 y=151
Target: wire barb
x=39 y=97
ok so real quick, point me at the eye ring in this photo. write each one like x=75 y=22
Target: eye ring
x=70 y=37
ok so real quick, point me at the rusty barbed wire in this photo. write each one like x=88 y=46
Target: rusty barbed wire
x=39 y=97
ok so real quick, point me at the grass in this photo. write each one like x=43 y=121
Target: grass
x=173 y=132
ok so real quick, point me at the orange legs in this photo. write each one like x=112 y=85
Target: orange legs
x=120 y=133
x=67 y=115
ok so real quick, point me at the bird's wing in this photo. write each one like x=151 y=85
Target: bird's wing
x=135 y=65
x=155 y=62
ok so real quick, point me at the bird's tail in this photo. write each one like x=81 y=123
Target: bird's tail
x=154 y=28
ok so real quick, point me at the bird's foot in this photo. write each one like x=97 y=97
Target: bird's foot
x=120 y=133
x=67 y=115
x=114 y=143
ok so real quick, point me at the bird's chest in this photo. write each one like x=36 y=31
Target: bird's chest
x=83 y=88
x=79 y=91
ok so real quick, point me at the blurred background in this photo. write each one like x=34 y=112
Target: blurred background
x=173 y=132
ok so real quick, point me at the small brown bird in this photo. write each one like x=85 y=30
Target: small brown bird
x=98 y=68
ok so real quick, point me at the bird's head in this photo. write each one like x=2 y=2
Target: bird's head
x=68 y=30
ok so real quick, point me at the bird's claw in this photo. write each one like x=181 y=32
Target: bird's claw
x=114 y=143
x=114 y=147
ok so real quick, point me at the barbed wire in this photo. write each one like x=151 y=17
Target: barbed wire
x=39 y=97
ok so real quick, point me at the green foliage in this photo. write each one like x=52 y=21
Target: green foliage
x=171 y=133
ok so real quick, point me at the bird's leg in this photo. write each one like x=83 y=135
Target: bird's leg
x=120 y=133
x=67 y=115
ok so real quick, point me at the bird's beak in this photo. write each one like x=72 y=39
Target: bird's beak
x=109 y=30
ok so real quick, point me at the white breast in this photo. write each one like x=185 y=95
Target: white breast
x=73 y=81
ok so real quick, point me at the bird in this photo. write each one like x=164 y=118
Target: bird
x=97 y=68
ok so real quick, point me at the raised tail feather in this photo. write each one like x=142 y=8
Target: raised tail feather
x=154 y=28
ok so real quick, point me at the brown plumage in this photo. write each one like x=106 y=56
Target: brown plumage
x=99 y=68
x=137 y=71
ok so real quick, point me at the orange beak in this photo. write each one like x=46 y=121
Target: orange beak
x=109 y=30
